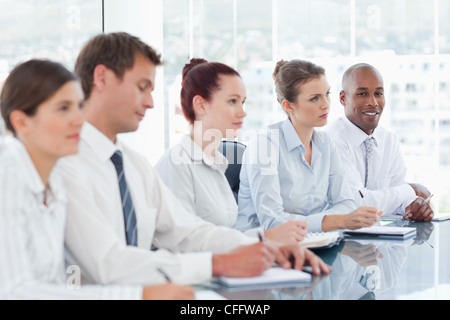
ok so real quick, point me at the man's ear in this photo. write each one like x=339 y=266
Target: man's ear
x=19 y=121
x=100 y=76
x=342 y=97
x=199 y=105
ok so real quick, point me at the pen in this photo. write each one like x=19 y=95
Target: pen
x=164 y=274
x=426 y=200
x=423 y=203
x=260 y=236
x=363 y=201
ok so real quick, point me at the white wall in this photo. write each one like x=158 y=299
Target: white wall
x=144 y=19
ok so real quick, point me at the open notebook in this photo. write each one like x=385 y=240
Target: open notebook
x=321 y=239
x=274 y=275
x=384 y=232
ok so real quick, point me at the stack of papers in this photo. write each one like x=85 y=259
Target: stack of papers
x=384 y=232
x=273 y=275
x=320 y=239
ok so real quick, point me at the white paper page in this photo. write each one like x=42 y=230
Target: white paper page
x=208 y=295
x=383 y=230
x=272 y=275
x=441 y=216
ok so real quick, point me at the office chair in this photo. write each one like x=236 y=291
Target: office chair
x=233 y=151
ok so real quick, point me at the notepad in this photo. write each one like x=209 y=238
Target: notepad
x=273 y=275
x=208 y=295
x=384 y=232
x=320 y=239
x=441 y=217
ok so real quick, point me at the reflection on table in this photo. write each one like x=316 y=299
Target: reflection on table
x=416 y=268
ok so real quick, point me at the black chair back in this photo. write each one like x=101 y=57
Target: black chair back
x=233 y=151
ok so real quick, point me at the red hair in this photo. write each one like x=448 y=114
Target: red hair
x=201 y=78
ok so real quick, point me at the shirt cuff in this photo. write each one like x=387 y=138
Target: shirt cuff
x=315 y=222
x=406 y=194
x=196 y=268
x=119 y=292
x=254 y=233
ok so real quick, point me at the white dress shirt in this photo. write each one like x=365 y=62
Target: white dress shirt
x=32 y=236
x=392 y=194
x=198 y=183
x=5 y=139
x=278 y=184
x=201 y=185
x=95 y=233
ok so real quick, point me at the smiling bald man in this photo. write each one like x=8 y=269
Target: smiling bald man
x=371 y=154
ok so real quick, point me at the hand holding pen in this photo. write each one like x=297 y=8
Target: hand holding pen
x=365 y=204
x=419 y=210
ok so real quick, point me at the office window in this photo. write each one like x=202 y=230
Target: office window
x=51 y=29
x=403 y=26
x=444 y=26
x=308 y=29
x=407 y=40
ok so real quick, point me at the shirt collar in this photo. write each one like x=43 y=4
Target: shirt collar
x=197 y=155
x=357 y=136
x=290 y=136
x=102 y=146
x=293 y=140
x=18 y=151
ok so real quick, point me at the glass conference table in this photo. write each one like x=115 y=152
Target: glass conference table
x=417 y=268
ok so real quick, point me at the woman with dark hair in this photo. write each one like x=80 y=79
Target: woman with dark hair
x=302 y=178
x=212 y=98
x=41 y=105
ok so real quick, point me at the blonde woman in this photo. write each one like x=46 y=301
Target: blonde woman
x=301 y=177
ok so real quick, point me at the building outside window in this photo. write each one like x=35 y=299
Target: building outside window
x=407 y=40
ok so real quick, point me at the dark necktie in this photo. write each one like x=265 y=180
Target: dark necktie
x=127 y=204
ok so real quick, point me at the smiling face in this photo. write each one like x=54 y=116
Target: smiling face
x=363 y=98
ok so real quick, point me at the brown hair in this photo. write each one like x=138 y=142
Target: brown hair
x=117 y=51
x=289 y=74
x=30 y=84
x=201 y=77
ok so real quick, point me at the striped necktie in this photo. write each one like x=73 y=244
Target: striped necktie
x=127 y=204
x=369 y=163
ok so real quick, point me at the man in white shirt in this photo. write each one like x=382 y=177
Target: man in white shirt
x=379 y=180
x=118 y=87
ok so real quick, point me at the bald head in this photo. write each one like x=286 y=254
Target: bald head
x=362 y=96
x=348 y=78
